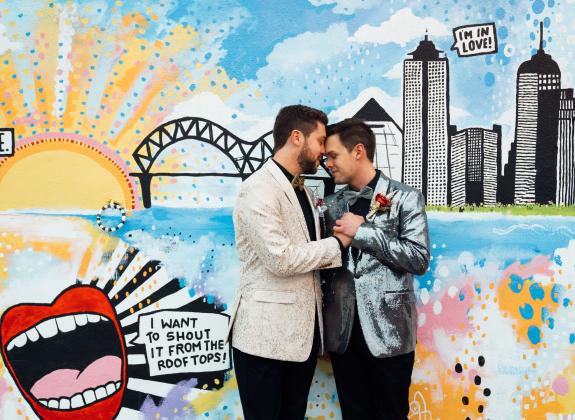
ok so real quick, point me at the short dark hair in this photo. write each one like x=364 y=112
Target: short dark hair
x=353 y=131
x=296 y=117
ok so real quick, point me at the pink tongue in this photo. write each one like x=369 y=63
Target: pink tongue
x=67 y=382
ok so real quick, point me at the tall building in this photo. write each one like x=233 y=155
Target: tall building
x=388 y=139
x=538 y=93
x=506 y=185
x=475 y=165
x=426 y=121
x=566 y=149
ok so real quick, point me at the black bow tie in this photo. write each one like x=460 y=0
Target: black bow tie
x=350 y=196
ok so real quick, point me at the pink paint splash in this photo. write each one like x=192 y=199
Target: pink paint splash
x=452 y=317
x=560 y=385
x=538 y=265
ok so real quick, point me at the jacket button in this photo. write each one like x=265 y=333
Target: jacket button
x=356 y=276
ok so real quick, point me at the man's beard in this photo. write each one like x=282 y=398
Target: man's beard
x=307 y=164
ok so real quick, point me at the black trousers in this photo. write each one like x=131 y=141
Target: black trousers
x=369 y=387
x=274 y=389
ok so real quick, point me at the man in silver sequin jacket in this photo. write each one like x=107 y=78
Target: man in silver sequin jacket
x=369 y=303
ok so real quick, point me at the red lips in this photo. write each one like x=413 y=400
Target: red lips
x=74 y=300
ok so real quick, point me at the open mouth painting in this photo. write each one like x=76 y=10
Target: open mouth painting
x=68 y=358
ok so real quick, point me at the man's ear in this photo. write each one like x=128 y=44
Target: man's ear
x=359 y=150
x=296 y=137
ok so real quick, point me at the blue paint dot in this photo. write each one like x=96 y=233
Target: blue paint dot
x=571 y=338
x=538 y=6
x=500 y=13
x=192 y=87
x=551 y=3
x=545 y=314
x=461 y=297
x=557 y=260
x=532 y=36
x=191 y=292
x=210 y=299
x=566 y=302
x=551 y=323
x=537 y=292
x=534 y=334
x=527 y=16
x=489 y=79
x=534 y=51
x=526 y=311
x=515 y=283
x=208 y=56
x=547 y=22
x=502 y=32
x=557 y=293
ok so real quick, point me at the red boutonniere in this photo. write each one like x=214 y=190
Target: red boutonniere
x=380 y=203
x=320 y=205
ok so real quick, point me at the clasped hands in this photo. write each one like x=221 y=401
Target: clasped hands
x=346 y=227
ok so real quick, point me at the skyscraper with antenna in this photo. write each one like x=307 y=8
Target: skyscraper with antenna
x=536 y=125
x=426 y=122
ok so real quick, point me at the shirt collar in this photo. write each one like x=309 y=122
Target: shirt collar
x=288 y=175
x=373 y=183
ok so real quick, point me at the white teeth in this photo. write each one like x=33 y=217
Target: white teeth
x=47 y=328
x=93 y=318
x=64 y=403
x=66 y=323
x=101 y=392
x=77 y=401
x=82 y=399
x=81 y=319
x=33 y=334
x=110 y=388
x=50 y=327
x=20 y=340
x=89 y=396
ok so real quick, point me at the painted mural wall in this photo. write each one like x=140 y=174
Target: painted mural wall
x=126 y=128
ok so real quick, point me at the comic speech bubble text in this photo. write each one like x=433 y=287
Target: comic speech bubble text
x=473 y=40
x=181 y=342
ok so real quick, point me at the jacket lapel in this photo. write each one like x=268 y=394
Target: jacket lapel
x=382 y=187
x=285 y=186
x=314 y=211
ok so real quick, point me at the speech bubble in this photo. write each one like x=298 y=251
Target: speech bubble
x=471 y=40
x=182 y=342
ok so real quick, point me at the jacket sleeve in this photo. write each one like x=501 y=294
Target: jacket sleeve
x=405 y=249
x=258 y=220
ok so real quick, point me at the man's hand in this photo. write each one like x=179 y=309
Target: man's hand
x=348 y=224
x=345 y=240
